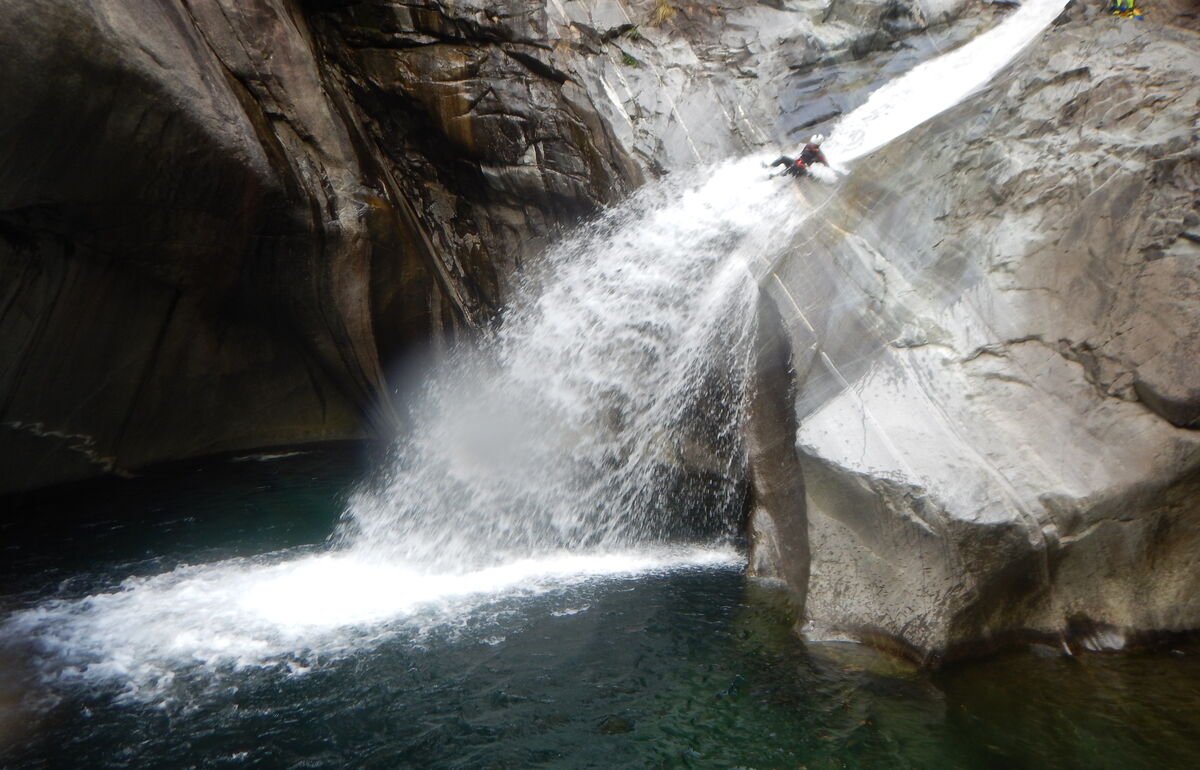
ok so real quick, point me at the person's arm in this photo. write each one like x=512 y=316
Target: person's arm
x=820 y=158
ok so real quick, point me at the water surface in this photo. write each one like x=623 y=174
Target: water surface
x=685 y=664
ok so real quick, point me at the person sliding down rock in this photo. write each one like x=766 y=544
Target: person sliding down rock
x=798 y=167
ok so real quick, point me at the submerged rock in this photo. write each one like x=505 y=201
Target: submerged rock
x=615 y=725
x=995 y=329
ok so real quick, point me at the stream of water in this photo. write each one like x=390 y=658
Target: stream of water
x=606 y=412
x=935 y=86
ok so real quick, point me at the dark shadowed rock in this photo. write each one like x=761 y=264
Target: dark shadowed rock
x=615 y=725
x=778 y=519
x=178 y=256
x=217 y=230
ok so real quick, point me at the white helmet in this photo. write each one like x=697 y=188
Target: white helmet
x=817 y=139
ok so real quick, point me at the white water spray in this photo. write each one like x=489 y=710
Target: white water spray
x=607 y=411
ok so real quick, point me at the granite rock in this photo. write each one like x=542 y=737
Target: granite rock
x=995 y=340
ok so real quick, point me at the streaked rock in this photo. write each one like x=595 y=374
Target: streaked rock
x=994 y=330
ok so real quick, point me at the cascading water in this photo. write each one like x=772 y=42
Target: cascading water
x=603 y=414
x=609 y=402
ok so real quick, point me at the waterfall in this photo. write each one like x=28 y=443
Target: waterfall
x=577 y=442
x=607 y=409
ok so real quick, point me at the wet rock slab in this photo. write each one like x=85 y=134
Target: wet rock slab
x=994 y=329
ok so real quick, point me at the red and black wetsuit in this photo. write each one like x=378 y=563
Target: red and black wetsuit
x=793 y=166
x=812 y=154
x=799 y=166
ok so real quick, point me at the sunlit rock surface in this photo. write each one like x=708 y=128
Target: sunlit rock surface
x=995 y=330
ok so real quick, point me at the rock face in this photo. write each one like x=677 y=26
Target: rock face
x=996 y=341
x=220 y=222
x=223 y=224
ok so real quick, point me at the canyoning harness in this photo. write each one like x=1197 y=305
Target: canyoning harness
x=791 y=166
x=812 y=154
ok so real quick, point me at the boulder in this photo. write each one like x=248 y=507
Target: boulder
x=994 y=331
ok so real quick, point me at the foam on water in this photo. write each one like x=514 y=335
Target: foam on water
x=293 y=611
